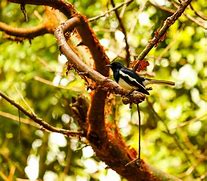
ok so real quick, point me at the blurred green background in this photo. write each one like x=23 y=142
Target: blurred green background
x=174 y=120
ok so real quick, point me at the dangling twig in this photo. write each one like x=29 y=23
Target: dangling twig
x=139 y=136
x=19 y=126
x=138 y=160
x=22 y=6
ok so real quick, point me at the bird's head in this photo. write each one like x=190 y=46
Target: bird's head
x=115 y=66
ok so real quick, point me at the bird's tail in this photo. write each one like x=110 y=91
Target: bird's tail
x=153 y=81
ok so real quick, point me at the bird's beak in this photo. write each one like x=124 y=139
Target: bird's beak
x=109 y=65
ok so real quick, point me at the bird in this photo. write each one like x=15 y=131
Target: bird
x=128 y=79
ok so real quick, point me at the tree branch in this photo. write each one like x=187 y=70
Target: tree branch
x=111 y=10
x=39 y=121
x=199 y=22
x=81 y=67
x=202 y=16
x=127 y=58
x=66 y=8
x=88 y=36
x=17 y=119
x=19 y=34
x=24 y=32
x=168 y=22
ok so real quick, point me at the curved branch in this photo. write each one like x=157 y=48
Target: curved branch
x=97 y=51
x=197 y=13
x=39 y=121
x=168 y=22
x=80 y=66
x=24 y=32
x=66 y=8
x=88 y=36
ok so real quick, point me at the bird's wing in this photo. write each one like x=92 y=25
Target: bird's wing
x=133 y=79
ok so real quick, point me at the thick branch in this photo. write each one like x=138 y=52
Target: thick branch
x=168 y=22
x=39 y=121
x=66 y=8
x=24 y=32
x=97 y=51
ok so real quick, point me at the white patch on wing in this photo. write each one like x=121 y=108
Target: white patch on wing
x=131 y=79
x=124 y=85
x=146 y=82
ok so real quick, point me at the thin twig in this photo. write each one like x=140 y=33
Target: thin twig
x=199 y=118
x=168 y=22
x=16 y=118
x=39 y=121
x=192 y=8
x=198 y=13
x=127 y=58
x=137 y=160
x=25 y=102
x=139 y=138
x=111 y=10
x=22 y=7
x=199 y=22
x=47 y=82
x=163 y=8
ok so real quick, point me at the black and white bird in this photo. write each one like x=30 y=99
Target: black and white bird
x=130 y=80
